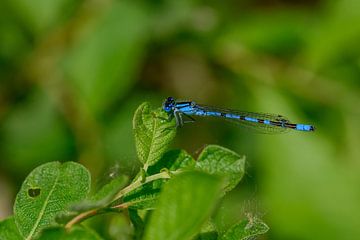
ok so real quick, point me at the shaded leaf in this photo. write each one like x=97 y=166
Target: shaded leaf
x=172 y=160
x=246 y=230
x=211 y=235
x=222 y=161
x=102 y=197
x=9 y=230
x=137 y=222
x=153 y=133
x=145 y=196
x=208 y=232
x=184 y=205
x=75 y=233
x=59 y=184
x=118 y=228
x=109 y=190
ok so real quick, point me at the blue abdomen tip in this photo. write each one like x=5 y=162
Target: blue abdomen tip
x=304 y=127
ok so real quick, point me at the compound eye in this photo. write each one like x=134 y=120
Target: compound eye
x=167 y=108
x=170 y=99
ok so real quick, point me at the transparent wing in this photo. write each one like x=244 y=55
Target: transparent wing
x=256 y=126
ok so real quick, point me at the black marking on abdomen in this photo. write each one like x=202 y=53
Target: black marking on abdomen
x=290 y=125
x=283 y=124
x=278 y=124
x=275 y=123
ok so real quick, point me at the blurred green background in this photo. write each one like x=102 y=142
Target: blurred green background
x=73 y=72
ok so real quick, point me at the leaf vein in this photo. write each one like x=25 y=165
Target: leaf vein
x=42 y=211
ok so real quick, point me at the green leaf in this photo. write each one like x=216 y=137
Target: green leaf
x=109 y=190
x=145 y=196
x=58 y=186
x=65 y=217
x=184 y=205
x=208 y=232
x=102 y=197
x=246 y=230
x=137 y=222
x=172 y=160
x=211 y=235
x=9 y=230
x=222 y=161
x=75 y=233
x=118 y=228
x=153 y=133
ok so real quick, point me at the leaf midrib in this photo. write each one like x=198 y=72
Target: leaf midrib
x=151 y=143
x=42 y=211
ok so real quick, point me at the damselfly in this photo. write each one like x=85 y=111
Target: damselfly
x=261 y=122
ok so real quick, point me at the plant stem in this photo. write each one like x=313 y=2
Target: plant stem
x=80 y=218
x=139 y=182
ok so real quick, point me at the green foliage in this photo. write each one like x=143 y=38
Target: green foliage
x=72 y=72
x=111 y=51
x=39 y=19
x=218 y=160
x=59 y=185
x=246 y=230
x=109 y=190
x=26 y=142
x=138 y=223
x=208 y=231
x=102 y=197
x=185 y=203
x=54 y=197
x=75 y=233
x=153 y=133
x=172 y=160
x=145 y=197
x=9 y=230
